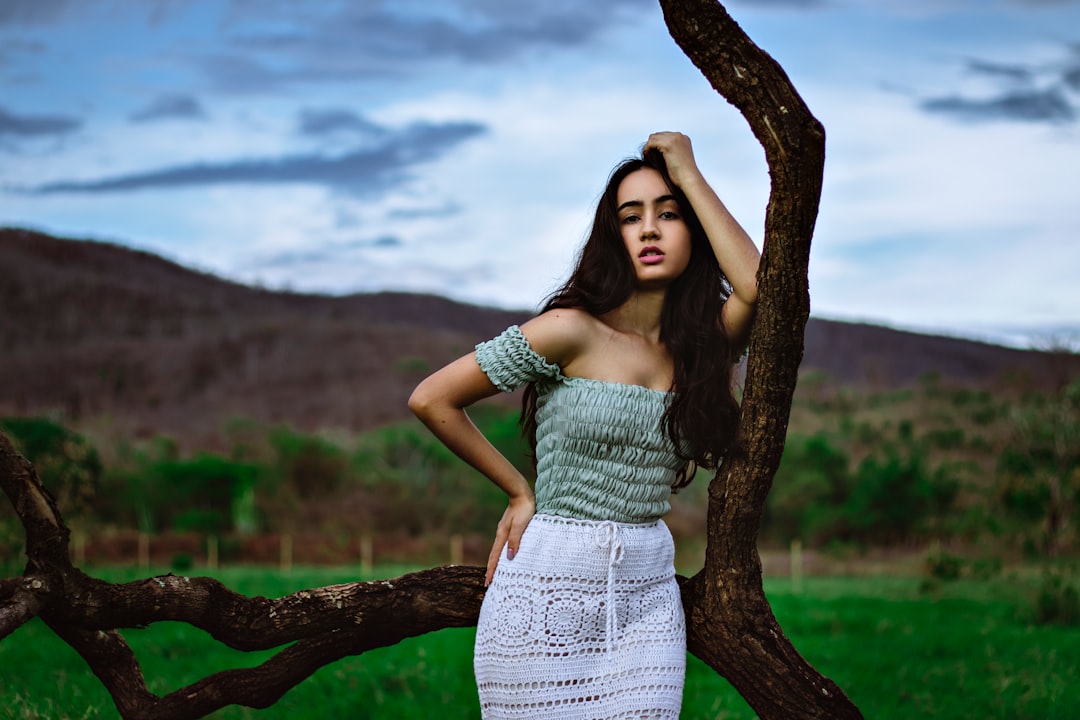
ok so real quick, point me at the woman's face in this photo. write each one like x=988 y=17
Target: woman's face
x=653 y=230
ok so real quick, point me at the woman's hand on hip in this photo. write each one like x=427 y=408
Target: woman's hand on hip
x=514 y=520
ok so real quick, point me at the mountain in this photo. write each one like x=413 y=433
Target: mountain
x=96 y=330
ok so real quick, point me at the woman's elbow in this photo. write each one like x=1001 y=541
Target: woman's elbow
x=420 y=401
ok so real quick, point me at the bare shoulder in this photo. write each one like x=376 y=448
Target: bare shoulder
x=562 y=335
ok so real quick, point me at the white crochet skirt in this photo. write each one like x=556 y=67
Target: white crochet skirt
x=585 y=622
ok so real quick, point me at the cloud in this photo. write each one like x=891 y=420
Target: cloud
x=368 y=171
x=46 y=12
x=1070 y=74
x=240 y=73
x=423 y=213
x=165 y=107
x=32 y=12
x=1049 y=106
x=1034 y=93
x=37 y=125
x=1017 y=73
x=330 y=254
x=335 y=120
x=349 y=41
x=793 y=4
x=1044 y=3
x=12 y=48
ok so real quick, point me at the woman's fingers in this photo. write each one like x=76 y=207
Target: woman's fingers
x=493 y=559
x=677 y=151
x=667 y=142
x=501 y=533
x=508 y=535
x=517 y=529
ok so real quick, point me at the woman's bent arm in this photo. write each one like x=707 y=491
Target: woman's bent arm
x=440 y=402
x=735 y=251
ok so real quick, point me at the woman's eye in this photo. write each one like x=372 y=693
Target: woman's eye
x=669 y=215
x=630 y=219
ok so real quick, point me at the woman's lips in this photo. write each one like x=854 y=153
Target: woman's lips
x=650 y=255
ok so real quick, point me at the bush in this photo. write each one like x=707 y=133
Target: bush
x=207 y=493
x=941 y=565
x=66 y=463
x=310 y=465
x=1058 y=602
x=811 y=485
x=12 y=559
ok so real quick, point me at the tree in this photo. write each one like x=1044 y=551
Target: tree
x=729 y=622
x=1039 y=468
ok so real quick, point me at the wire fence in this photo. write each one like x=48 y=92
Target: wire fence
x=187 y=551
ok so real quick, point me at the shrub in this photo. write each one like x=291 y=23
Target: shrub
x=309 y=464
x=66 y=463
x=811 y=483
x=941 y=565
x=1058 y=601
x=207 y=493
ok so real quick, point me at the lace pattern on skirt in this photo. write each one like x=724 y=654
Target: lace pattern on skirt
x=585 y=622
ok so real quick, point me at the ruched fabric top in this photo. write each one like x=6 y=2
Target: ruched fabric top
x=601 y=452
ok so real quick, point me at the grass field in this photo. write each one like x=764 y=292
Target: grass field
x=963 y=650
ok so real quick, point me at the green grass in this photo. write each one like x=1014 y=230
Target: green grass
x=965 y=650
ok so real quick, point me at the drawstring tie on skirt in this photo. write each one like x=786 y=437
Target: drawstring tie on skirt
x=609 y=537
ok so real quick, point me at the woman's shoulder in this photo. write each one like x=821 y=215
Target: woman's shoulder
x=562 y=334
x=571 y=320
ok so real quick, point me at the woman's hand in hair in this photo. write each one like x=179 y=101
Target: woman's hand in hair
x=734 y=250
x=514 y=520
x=678 y=156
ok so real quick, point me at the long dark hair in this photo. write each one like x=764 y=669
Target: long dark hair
x=701 y=419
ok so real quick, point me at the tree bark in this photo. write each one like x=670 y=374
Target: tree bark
x=325 y=624
x=730 y=624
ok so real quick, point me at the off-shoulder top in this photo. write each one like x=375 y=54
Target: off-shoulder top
x=601 y=452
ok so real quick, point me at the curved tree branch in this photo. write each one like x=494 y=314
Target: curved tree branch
x=19 y=603
x=730 y=624
x=325 y=624
x=361 y=617
x=415 y=603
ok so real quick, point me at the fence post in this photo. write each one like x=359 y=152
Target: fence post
x=796 y=566
x=286 y=552
x=212 y=552
x=367 y=554
x=457 y=549
x=144 y=551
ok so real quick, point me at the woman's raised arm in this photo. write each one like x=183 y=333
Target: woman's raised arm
x=735 y=251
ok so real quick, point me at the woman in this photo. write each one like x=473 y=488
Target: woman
x=628 y=369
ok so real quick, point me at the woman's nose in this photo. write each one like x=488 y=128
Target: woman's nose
x=648 y=226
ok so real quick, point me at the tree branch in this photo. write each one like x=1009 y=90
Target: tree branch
x=19 y=603
x=414 y=603
x=409 y=606
x=730 y=623
x=325 y=624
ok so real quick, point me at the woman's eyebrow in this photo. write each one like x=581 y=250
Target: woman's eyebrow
x=639 y=203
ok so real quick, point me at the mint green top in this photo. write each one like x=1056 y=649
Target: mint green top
x=601 y=452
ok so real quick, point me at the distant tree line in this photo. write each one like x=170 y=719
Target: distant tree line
x=860 y=468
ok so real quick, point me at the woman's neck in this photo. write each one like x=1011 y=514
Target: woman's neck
x=640 y=314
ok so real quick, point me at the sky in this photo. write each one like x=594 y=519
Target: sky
x=458 y=147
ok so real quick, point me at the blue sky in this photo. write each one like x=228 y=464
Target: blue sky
x=457 y=147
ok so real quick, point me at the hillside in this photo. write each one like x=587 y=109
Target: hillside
x=94 y=330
